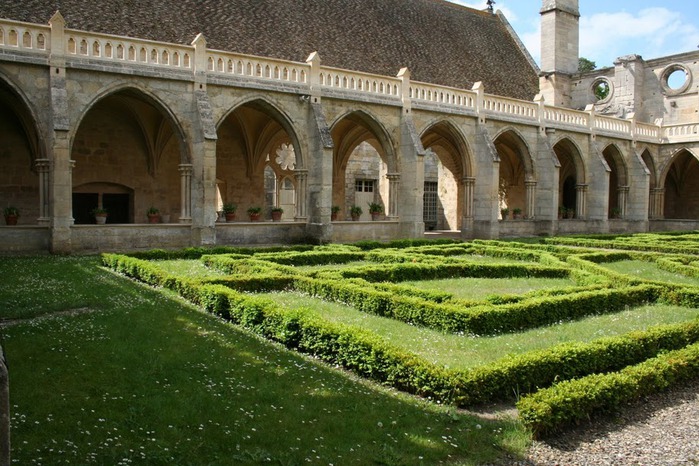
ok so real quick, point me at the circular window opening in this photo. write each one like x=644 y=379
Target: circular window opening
x=676 y=79
x=602 y=90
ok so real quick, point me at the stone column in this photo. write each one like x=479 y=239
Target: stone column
x=622 y=198
x=185 y=193
x=301 y=177
x=531 y=197
x=61 y=195
x=657 y=203
x=43 y=166
x=393 y=190
x=469 y=184
x=580 y=200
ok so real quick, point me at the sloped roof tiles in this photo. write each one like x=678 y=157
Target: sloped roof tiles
x=439 y=42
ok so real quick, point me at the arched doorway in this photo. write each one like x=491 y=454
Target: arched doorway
x=655 y=207
x=256 y=159
x=362 y=164
x=682 y=187
x=129 y=157
x=618 y=182
x=516 y=183
x=24 y=174
x=448 y=188
x=571 y=180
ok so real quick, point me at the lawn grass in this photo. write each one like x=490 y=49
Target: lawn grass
x=189 y=267
x=464 y=351
x=142 y=378
x=650 y=271
x=480 y=288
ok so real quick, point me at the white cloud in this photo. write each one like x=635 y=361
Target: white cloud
x=652 y=32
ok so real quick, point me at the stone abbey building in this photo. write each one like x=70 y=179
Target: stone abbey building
x=432 y=110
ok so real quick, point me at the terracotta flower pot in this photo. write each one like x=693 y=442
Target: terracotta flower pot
x=276 y=216
x=153 y=218
x=11 y=219
x=254 y=217
x=230 y=216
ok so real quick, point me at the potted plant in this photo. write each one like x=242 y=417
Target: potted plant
x=254 y=213
x=277 y=213
x=375 y=209
x=229 y=211
x=100 y=214
x=561 y=212
x=153 y=214
x=616 y=212
x=11 y=215
x=570 y=213
x=516 y=213
x=334 y=212
x=355 y=212
x=504 y=212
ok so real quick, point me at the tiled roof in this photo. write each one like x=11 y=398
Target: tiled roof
x=440 y=42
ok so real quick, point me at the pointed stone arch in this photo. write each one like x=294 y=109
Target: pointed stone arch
x=24 y=178
x=572 y=189
x=449 y=179
x=618 y=181
x=517 y=180
x=250 y=135
x=127 y=97
x=364 y=163
x=679 y=182
x=655 y=194
x=128 y=136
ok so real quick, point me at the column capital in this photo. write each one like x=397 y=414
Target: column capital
x=42 y=165
x=468 y=180
x=393 y=176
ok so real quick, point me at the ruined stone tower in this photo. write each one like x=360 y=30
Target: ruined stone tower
x=559 y=49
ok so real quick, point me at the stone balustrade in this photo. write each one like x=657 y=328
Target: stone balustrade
x=681 y=133
x=358 y=82
x=248 y=66
x=26 y=40
x=567 y=117
x=505 y=106
x=442 y=95
x=127 y=50
x=25 y=37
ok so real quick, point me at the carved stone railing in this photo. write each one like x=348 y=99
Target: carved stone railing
x=127 y=50
x=26 y=37
x=567 y=117
x=249 y=66
x=504 y=106
x=357 y=82
x=681 y=133
x=197 y=62
x=441 y=95
x=647 y=132
x=611 y=125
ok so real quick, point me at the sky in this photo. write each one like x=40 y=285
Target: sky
x=612 y=28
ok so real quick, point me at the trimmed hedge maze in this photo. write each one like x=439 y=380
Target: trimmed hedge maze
x=560 y=384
